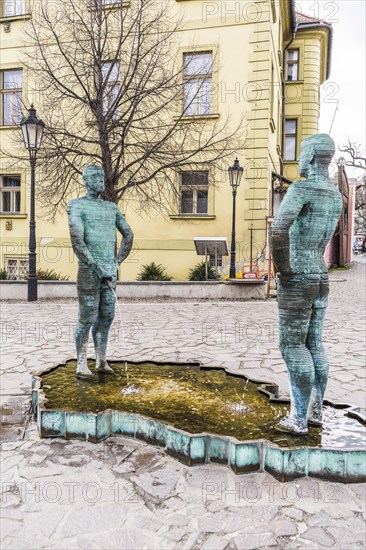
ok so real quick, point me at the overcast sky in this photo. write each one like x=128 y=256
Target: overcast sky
x=348 y=77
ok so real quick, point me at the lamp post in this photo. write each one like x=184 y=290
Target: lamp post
x=32 y=128
x=235 y=175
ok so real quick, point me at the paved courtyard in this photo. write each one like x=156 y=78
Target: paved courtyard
x=124 y=494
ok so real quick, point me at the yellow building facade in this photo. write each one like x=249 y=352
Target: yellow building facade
x=266 y=59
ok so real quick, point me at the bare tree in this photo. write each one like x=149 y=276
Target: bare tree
x=109 y=84
x=357 y=159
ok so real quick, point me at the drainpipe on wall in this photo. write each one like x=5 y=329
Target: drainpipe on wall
x=284 y=99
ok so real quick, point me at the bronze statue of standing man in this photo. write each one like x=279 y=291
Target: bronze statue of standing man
x=93 y=223
x=305 y=223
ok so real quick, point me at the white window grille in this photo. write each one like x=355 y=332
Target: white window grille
x=13 y=7
x=16 y=268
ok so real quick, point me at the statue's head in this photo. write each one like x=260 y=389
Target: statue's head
x=315 y=150
x=93 y=177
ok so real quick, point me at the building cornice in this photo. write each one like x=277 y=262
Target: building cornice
x=303 y=27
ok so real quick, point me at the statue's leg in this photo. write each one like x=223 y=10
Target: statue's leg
x=293 y=331
x=314 y=343
x=88 y=308
x=295 y=296
x=101 y=328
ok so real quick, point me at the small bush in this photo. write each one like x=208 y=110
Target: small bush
x=198 y=273
x=3 y=275
x=153 y=272
x=50 y=275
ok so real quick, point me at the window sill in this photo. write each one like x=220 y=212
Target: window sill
x=10 y=18
x=190 y=118
x=294 y=82
x=8 y=127
x=290 y=161
x=192 y=217
x=115 y=6
x=13 y=215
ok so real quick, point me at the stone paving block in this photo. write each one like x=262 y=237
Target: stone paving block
x=253 y=541
x=283 y=528
x=215 y=542
x=213 y=523
x=319 y=536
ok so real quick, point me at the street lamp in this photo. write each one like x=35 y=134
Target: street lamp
x=235 y=175
x=32 y=128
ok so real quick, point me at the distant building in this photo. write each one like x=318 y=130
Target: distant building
x=272 y=64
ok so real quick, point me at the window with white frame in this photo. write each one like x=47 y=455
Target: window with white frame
x=13 y=7
x=292 y=65
x=194 y=192
x=11 y=97
x=197 y=83
x=212 y=260
x=10 y=194
x=110 y=76
x=106 y=2
x=290 y=138
x=16 y=268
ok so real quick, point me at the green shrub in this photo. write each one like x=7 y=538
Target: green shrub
x=50 y=275
x=198 y=272
x=3 y=275
x=153 y=272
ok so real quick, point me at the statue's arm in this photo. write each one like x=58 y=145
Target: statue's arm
x=288 y=212
x=127 y=234
x=333 y=220
x=76 y=226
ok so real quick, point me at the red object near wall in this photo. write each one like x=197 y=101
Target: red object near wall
x=339 y=249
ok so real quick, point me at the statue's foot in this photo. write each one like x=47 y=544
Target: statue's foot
x=103 y=368
x=315 y=416
x=293 y=425
x=315 y=422
x=83 y=372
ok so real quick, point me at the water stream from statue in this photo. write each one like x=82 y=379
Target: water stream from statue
x=130 y=388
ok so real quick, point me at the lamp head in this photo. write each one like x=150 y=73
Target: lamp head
x=235 y=174
x=32 y=128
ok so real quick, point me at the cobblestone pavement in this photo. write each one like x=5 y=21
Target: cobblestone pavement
x=124 y=494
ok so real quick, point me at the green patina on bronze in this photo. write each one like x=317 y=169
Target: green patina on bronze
x=93 y=223
x=194 y=400
x=305 y=223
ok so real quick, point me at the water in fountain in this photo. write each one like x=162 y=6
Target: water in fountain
x=130 y=388
x=195 y=400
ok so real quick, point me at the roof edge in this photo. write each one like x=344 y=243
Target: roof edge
x=317 y=26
